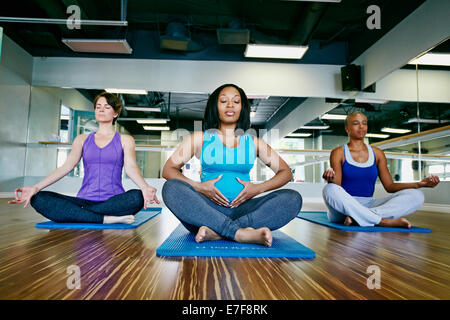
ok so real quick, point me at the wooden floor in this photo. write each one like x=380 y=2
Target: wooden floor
x=121 y=264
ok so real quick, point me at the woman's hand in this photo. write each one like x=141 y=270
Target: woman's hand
x=250 y=190
x=209 y=190
x=149 y=194
x=329 y=175
x=429 y=182
x=25 y=195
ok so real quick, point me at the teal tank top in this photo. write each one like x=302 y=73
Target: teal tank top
x=217 y=159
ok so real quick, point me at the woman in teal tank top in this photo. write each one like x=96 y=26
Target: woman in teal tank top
x=217 y=159
x=224 y=203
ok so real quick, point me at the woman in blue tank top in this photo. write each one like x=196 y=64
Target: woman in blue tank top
x=354 y=170
x=101 y=198
x=224 y=203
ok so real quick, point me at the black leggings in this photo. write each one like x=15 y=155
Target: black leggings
x=61 y=208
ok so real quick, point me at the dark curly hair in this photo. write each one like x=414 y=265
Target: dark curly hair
x=211 y=116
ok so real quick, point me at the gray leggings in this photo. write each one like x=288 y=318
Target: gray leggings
x=194 y=210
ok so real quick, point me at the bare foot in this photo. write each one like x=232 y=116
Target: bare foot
x=400 y=222
x=118 y=219
x=206 y=234
x=348 y=221
x=249 y=235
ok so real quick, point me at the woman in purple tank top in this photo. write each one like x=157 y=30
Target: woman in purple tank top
x=101 y=198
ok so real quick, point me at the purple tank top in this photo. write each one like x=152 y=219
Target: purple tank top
x=102 y=169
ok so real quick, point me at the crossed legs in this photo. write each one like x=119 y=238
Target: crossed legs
x=387 y=211
x=61 y=208
x=252 y=221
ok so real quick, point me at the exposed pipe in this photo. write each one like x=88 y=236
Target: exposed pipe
x=123 y=10
x=304 y=30
x=64 y=21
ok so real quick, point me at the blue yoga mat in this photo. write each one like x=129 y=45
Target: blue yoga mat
x=181 y=243
x=320 y=217
x=140 y=218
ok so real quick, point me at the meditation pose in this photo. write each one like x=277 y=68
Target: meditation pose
x=355 y=167
x=102 y=198
x=223 y=204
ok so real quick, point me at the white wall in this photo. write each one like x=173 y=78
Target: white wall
x=15 y=83
x=44 y=121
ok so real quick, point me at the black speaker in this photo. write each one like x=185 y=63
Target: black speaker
x=351 y=78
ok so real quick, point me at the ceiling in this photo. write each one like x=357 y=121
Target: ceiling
x=333 y=31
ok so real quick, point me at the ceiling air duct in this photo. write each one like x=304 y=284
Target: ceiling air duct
x=234 y=34
x=177 y=38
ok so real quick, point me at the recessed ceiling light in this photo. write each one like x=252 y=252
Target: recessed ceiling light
x=315 y=127
x=421 y=120
x=299 y=135
x=156 y=128
x=374 y=101
x=143 y=109
x=394 y=130
x=377 y=135
x=336 y=1
x=435 y=59
x=126 y=91
x=328 y=116
x=274 y=51
x=147 y=121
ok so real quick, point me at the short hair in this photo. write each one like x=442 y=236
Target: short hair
x=112 y=100
x=211 y=116
x=352 y=114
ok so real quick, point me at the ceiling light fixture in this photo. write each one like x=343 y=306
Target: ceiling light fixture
x=421 y=120
x=328 y=116
x=336 y=1
x=143 y=109
x=394 y=130
x=99 y=45
x=299 y=135
x=156 y=128
x=148 y=121
x=434 y=59
x=314 y=127
x=374 y=101
x=274 y=51
x=126 y=91
x=377 y=135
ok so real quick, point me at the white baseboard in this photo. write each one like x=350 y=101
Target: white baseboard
x=6 y=194
x=433 y=207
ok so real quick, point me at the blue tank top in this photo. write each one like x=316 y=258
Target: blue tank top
x=102 y=169
x=358 y=179
x=217 y=159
